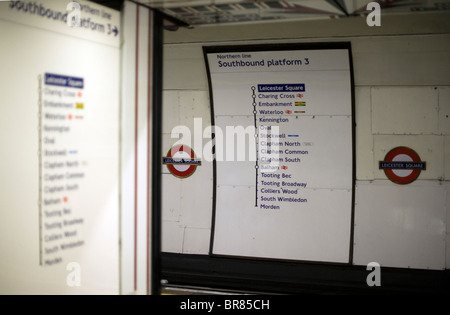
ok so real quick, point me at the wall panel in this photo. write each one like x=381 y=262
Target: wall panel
x=400 y=226
x=404 y=110
x=364 y=137
x=444 y=110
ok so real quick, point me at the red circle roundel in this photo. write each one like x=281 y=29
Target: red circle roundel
x=181 y=161
x=402 y=165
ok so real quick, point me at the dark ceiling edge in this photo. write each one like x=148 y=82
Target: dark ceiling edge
x=112 y=4
x=165 y=16
x=340 y=5
x=118 y=6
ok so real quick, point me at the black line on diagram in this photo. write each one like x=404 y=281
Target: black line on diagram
x=256 y=144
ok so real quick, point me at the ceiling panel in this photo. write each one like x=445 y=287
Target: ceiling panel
x=204 y=12
x=200 y=12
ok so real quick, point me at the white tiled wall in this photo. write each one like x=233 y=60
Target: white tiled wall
x=187 y=203
x=447 y=158
x=402 y=97
x=403 y=110
x=444 y=110
x=399 y=226
x=364 y=136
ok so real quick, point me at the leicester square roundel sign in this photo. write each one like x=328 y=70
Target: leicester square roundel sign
x=181 y=161
x=402 y=165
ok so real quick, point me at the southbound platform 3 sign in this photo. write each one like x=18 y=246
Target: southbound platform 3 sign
x=63 y=172
x=291 y=197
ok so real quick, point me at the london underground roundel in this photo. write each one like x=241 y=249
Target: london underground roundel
x=402 y=165
x=181 y=161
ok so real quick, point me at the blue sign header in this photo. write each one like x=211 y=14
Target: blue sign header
x=168 y=160
x=394 y=165
x=64 y=81
x=300 y=87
